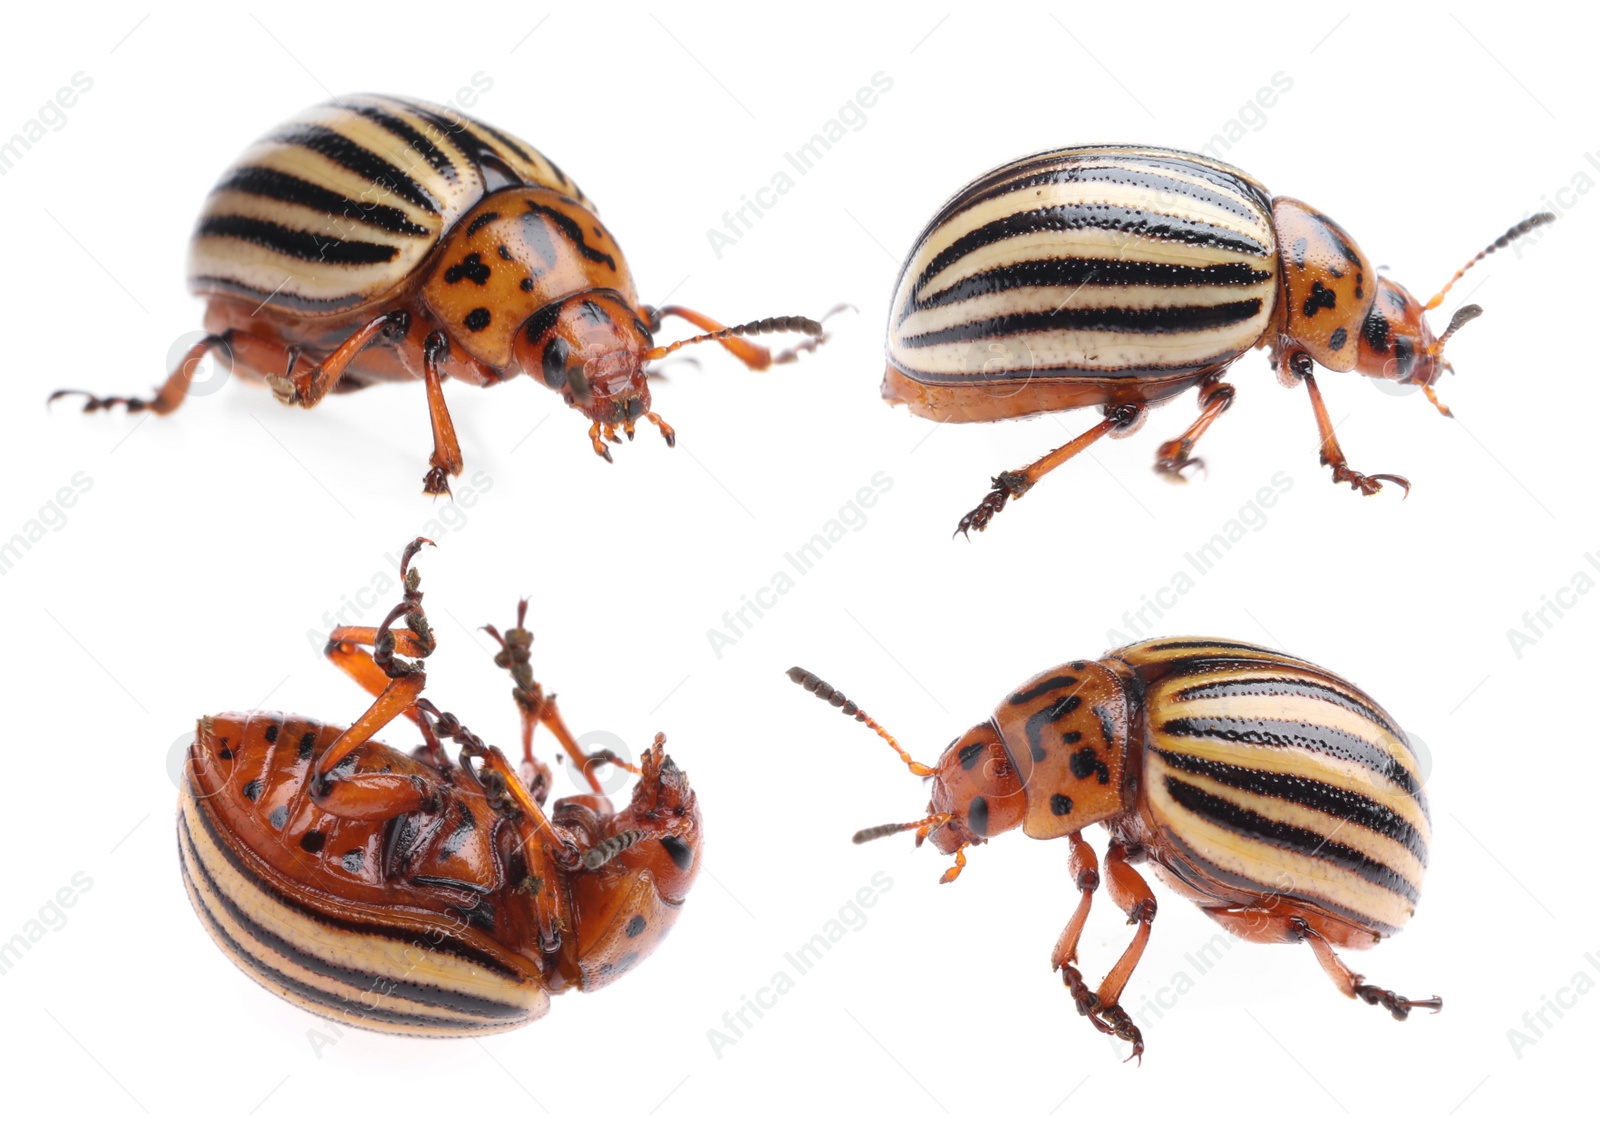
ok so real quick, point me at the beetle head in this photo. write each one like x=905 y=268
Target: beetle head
x=976 y=790
x=592 y=349
x=637 y=873
x=1396 y=341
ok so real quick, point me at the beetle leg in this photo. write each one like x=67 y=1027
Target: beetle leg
x=1132 y=894
x=1173 y=457
x=1014 y=484
x=402 y=681
x=446 y=457
x=307 y=389
x=172 y=391
x=1297 y=366
x=1085 y=871
x=600 y=447
x=667 y=433
x=1352 y=984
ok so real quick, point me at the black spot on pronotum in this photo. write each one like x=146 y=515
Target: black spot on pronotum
x=252 y=791
x=487 y=217
x=308 y=741
x=978 y=817
x=505 y=252
x=1320 y=298
x=968 y=754
x=223 y=752
x=271 y=734
x=527 y=285
x=471 y=267
x=313 y=841
x=1085 y=763
x=681 y=854
x=555 y=362
x=1039 y=689
x=478 y=318
x=635 y=926
x=279 y=816
x=352 y=860
x=592 y=311
x=1079 y=665
x=1337 y=339
x=1060 y=804
x=1072 y=738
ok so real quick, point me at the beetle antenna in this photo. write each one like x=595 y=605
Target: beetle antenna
x=811 y=683
x=1460 y=318
x=597 y=856
x=748 y=329
x=884 y=830
x=1517 y=232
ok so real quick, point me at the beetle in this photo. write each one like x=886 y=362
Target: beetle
x=403 y=893
x=466 y=253
x=1121 y=276
x=1277 y=796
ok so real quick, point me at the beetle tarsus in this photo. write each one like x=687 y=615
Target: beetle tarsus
x=1397 y=1005
x=600 y=447
x=1122 y=1026
x=93 y=403
x=1369 y=484
x=437 y=481
x=1008 y=486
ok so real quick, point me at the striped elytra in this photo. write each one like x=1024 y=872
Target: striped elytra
x=1276 y=795
x=374 y=239
x=1099 y=263
x=1119 y=276
x=423 y=923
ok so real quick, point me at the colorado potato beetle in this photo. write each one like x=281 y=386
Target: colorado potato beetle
x=1121 y=276
x=1277 y=796
x=465 y=252
x=403 y=893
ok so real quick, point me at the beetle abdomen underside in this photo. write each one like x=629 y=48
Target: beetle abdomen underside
x=286 y=928
x=1090 y=262
x=336 y=208
x=1268 y=776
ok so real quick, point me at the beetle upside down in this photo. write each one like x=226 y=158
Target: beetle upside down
x=1275 y=795
x=409 y=894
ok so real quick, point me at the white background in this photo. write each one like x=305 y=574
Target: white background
x=191 y=575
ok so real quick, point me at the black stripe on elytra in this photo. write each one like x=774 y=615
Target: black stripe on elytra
x=1175 y=160
x=1099 y=319
x=1054 y=173
x=1040 y=689
x=1188 y=866
x=270 y=184
x=432 y=939
x=1352 y=807
x=1286 y=836
x=358 y=159
x=297 y=244
x=1213 y=645
x=574 y=234
x=423 y=145
x=1087 y=272
x=1275 y=734
x=1224 y=687
x=464 y=1003
x=490 y=161
x=1096 y=217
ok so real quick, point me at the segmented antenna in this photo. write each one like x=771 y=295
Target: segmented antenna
x=597 y=856
x=1460 y=318
x=883 y=830
x=748 y=329
x=811 y=683
x=1516 y=232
